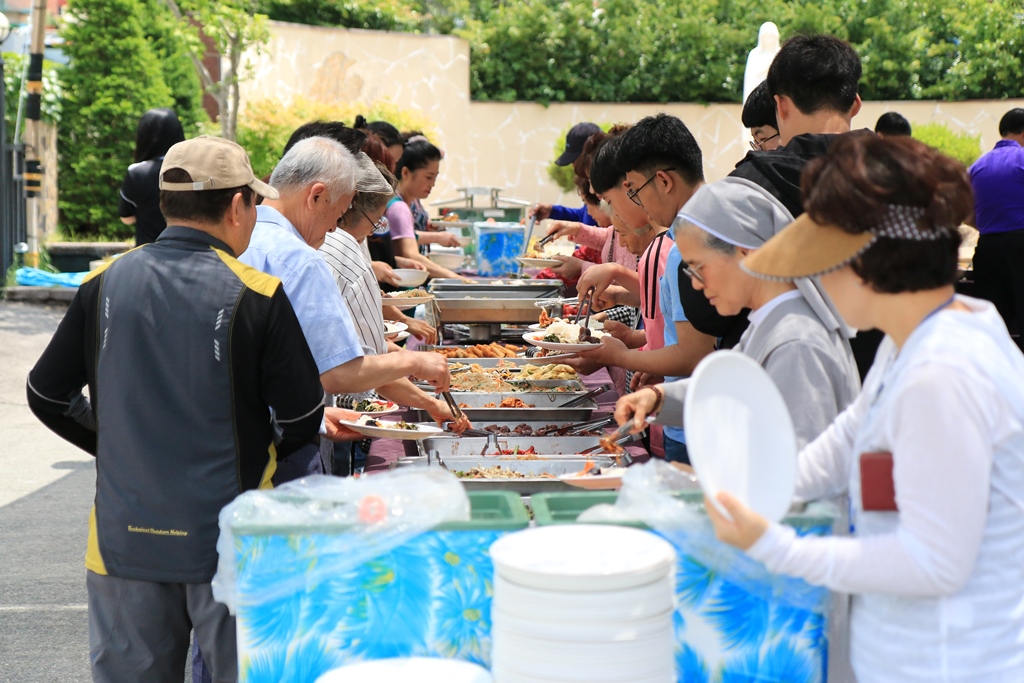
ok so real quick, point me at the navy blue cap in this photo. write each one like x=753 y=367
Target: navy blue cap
x=574 y=141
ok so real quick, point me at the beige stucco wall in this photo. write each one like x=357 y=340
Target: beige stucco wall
x=509 y=145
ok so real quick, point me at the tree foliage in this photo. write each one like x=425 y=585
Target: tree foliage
x=113 y=77
x=265 y=126
x=14 y=71
x=235 y=27
x=963 y=147
x=658 y=51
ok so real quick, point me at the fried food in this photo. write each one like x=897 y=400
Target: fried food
x=513 y=402
x=544 y=320
x=493 y=350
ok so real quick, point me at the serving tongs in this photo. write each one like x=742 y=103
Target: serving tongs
x=492 y=439
x=583 y=398
x=586 y=336
x=611 y=444
x=588 y=426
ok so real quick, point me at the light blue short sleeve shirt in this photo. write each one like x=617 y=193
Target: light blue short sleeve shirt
x=672 y=311
x=278 y=249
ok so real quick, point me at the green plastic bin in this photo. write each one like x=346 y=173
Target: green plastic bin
x=492 y=511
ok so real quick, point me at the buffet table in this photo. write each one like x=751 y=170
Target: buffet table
x=384 y=452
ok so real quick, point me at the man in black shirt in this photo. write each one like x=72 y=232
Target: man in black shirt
x=186 y=351
x=814 y=82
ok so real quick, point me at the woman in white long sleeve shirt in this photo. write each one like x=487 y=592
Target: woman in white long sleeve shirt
x=936 y=562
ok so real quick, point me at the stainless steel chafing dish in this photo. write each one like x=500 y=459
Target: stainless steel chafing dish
x=532 y=483
x=541 y=413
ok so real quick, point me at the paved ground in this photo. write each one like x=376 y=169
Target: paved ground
x=46 y=490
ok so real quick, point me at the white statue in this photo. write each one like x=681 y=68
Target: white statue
x=760 y=58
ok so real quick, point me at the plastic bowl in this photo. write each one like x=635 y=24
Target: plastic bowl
x=410 y=277
x=446 y=260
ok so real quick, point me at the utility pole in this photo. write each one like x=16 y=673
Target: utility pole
x=33 y=106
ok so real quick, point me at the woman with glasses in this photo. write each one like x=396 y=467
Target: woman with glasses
x=794 y=332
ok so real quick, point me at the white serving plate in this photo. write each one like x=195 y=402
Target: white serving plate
x=406 y=302
x=740 y=435
x=537 y=339
x=388 y=432
x=582 y=558
x=538 y=262
x=393 y=329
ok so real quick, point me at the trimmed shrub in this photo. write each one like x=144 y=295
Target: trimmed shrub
x=265 y=126
x=112 y=79
x=961 y=146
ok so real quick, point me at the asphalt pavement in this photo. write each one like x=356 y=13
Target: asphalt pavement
x=46 y=490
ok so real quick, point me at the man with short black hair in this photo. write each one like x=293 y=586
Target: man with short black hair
x=574 y=141
x=998 y=182
x=892 y=124
x=647 y=177
x=759 y=116
x=185 y=351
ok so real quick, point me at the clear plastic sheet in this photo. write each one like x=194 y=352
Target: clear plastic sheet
x=344 y=522
x=651 y=494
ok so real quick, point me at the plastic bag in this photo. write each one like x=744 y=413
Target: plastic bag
x=341 y=523
x=34 y=277
x=651 y=493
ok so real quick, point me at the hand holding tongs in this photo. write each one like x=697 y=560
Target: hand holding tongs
x=492 y=439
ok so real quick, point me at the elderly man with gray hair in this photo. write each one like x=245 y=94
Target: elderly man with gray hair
x=316 y=180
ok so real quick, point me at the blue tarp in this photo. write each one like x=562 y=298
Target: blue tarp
x=34 y=277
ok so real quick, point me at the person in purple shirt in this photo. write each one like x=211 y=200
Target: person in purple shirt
x=998 y=182
x=574 y=141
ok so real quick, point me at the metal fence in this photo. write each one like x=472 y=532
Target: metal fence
x=12 y=203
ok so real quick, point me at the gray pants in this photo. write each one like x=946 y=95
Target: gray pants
x=139 y=630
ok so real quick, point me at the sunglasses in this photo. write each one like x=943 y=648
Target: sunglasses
x=634 y=195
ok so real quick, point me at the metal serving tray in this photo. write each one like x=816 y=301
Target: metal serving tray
x=473 y=446
x=486 y=416
x=495 y=283
x=490 y=294
x=539 y=399
x=546 y=386
x=512 y=424
x=518 y=361
x=525 y=487
x=485 y=310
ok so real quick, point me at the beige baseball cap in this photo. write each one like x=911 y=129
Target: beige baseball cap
x=214 y=164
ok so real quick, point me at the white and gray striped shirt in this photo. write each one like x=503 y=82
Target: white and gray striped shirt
x=358 y=287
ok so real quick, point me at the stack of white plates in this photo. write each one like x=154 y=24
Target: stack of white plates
x=583 y=603
x=408 y=670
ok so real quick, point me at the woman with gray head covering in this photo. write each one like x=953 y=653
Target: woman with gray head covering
x=794 y=332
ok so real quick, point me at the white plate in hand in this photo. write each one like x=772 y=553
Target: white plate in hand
x=537 y=339
x=390 y=430
x=406 y=301
x=740 y=435
x=530 y=262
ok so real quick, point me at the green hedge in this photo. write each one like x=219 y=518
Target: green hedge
x=657 y=51
x=668 y=51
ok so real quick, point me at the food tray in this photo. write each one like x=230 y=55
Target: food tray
x=526 y=487
x=493 y=415
x=545 y=386
x=493 y=362
x=539 y=288
x=539 y=399
x=485 y=310
x=512 y=424
x=472 y=446
x=491 y=293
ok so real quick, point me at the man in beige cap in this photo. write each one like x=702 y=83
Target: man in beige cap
x=186 y=352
